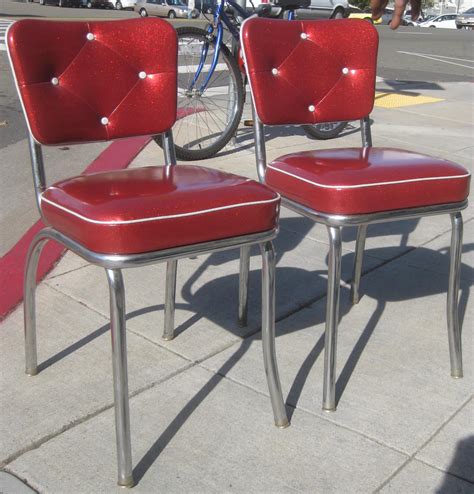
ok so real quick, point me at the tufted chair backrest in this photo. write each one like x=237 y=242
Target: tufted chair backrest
x=94 y=81
x=306 y=72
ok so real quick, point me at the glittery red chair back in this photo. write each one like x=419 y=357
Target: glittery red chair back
x=94 y=81
x=305 y=72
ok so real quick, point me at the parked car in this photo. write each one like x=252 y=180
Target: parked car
x=122 y=4
x=445 y=21
x=104 y=4
x=62 y=3
x=408 y=20
x=329 y=9
x=466 y=19
x=164 y=8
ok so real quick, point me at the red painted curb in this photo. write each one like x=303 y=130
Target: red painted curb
x=117 y=156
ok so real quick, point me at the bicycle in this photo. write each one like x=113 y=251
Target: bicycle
x=212 y=80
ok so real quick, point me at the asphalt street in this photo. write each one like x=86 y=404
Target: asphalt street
x=425 y=54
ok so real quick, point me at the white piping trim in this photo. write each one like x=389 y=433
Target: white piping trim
x=360 y=186
x=157 y=218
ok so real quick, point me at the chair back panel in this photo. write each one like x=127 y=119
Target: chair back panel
x=94 y=81
x=306 y=72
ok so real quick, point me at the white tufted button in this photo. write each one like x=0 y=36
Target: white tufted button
x=275 y=71
x=104 y=120
x=54 y=81
x=345 y=70
x=303 y=36
x=142 y=75
x=90 y=36
x=311 y=108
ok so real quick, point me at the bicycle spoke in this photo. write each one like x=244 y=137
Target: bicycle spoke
x=207 y=119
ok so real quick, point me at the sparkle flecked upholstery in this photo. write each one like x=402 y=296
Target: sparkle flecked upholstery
x=96 y=81
x=147 y=209
x=306 y=72
x=360 y=181
x=299 y=72
x=59 y=70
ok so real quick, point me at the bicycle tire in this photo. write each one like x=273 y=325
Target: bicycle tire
x=324 y=131
x=208 y=128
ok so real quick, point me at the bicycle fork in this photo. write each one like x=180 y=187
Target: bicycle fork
x=202 y=61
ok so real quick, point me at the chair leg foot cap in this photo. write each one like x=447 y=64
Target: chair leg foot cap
x=332 y=409
x=168 y=338
x=127 y=483
x=32 y=372
x=457 y=376
x=355 y=298
x=283 y=424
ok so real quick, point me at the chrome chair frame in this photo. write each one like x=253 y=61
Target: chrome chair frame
x=113 y=265
x=334 y=225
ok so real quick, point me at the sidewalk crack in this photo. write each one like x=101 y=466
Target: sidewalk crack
x=413 y=455
x=48 y=437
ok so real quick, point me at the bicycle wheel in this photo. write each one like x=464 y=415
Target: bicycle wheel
x=324 y=131
x=207 y=119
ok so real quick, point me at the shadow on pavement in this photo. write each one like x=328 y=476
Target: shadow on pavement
x=304 y=284
x=461 y=467
x=408 y=87
x=244 y=139
x=402 y=228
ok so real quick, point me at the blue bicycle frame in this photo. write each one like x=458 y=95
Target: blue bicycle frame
x=220 y=17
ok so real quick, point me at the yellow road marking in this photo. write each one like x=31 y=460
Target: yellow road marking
x=397 y=100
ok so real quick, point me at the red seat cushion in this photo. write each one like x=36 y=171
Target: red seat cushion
x=149 y=209
x=356 y=180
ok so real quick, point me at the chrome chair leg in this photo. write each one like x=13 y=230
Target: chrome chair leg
x=332 y=318
x=268 y=334
x=119 y=363
x=170 y=297
x=29 y=307
x=244 y=284
x=357 y=271
x=454 y=330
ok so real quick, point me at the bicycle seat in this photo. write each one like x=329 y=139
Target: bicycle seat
x=292 y=4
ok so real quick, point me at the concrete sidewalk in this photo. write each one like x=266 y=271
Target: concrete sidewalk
x=200 y=413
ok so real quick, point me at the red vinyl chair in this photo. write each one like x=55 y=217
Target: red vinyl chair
x=97 y=81
x=307 y=72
